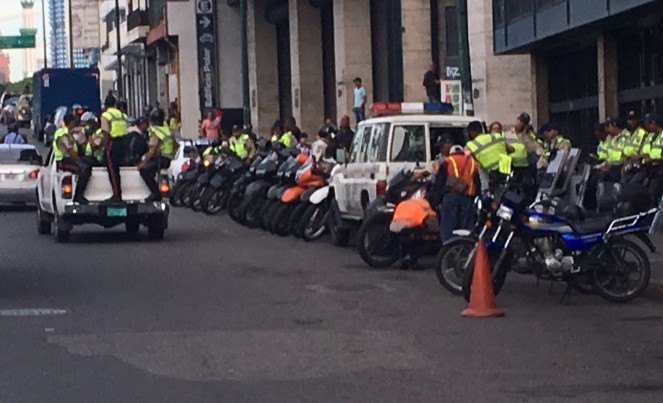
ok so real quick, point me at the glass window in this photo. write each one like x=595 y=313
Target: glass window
x=517 y=8
x=409 y=144
x=369 y=144
x=451 y=31
x=498 y=13
x=357 y=153
x=18 y=155
x=541 y=4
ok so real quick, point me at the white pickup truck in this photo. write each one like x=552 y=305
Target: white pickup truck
x=56 y=208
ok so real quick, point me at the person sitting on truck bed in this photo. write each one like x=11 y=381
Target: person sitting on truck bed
x=94 y=146
x=162 y=146
x=114 y=127
x=65 y=151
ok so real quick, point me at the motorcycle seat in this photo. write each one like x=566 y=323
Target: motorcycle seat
x=599 y=223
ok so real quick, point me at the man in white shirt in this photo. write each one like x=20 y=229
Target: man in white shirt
x=359 y=105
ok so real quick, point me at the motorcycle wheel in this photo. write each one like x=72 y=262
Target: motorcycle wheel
x=190 y=193
x=499 y=276
x=211 y=201
x=340 y=236
x=196 y=199
x=250 y=210
x=280 y=224
x=267 y=213
x=377 y=245
x=295 y=221
x=621 y=259
x=176 y=195
x=234 y=205
x=315 y=221
x=452 y=260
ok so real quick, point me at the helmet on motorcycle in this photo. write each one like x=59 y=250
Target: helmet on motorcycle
x=157 y=117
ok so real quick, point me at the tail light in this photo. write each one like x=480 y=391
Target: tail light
x=206 y=163
x=164 y=187
x=381 y=188
x=67 y=187
x=185 y=166
x=34 y=174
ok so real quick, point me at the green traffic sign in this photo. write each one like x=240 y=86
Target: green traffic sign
x=17 y=42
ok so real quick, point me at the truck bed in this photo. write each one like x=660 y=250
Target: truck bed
x=133 y=186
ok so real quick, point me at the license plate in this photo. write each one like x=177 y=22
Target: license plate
x=116 y=212
x=10 y=176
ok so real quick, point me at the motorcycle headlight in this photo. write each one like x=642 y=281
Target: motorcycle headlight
x=505 y=213
x=478 y=204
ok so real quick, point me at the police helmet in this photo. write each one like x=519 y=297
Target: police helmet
x=157 y=117
x=88 y=116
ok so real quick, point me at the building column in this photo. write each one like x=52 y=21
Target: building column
x=539 y=90
x=352 y=47
x=229 y=50
x=607 y=68
x=263 y=69
x=416 y=47
x=306 y=65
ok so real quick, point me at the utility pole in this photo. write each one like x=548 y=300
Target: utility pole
x=464 y=53
x=120 y=80
x=246 y=104
x=43 y=32
x=71 y=37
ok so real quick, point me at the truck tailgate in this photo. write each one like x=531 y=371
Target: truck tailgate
x=133 y=186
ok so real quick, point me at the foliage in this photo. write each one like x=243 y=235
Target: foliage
x=17 y=87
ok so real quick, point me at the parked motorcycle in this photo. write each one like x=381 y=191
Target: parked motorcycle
x=239 y=187
x=317 y=207
x=216 y=195
x=285 y=196
x=184 y=181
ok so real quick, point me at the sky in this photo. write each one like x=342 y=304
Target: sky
x=10 y=22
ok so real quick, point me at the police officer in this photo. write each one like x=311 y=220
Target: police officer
x=65 y=151
x=457 y=203
x=93 y=149
x=615 y=143
x=161 y=151
x=114 y=127
x=553 y=141
x=634 y=136
x=490 y=151
x=602 y=148
x=241 y=144
x=278 y=135
x=654 y=157
x=524 y=132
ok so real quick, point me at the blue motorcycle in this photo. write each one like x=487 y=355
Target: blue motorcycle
x=557 y=242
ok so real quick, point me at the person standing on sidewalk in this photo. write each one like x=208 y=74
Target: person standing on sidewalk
x=432 y=84
x=359 y=106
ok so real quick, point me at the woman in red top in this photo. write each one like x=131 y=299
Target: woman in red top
x=210 y=127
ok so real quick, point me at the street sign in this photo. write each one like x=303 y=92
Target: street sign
x=207 y=54
x=17 y=42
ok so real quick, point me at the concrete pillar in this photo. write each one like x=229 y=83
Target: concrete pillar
x=229 y=53
x=263 y=69
x=539 y=71
x=607 y=68
x=306 y=65
x=352 y=46
x=415 y=16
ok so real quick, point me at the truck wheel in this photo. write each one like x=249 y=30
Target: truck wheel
x=132 y=227
x=156 y=228
x=340 y=235
x=43 y=221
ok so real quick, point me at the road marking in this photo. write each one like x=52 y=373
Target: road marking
x=32 y=312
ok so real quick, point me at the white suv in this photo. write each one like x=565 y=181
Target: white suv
x=381 y=148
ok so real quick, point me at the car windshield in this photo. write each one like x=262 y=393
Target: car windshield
x=19 y=156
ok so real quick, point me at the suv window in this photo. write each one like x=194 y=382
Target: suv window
x=409 y=143
x=369 y=143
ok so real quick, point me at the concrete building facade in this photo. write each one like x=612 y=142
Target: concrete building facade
x=589 y=59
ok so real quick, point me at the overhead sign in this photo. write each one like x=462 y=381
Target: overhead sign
x=85 y=23
x=207 y=58
x=17 y=42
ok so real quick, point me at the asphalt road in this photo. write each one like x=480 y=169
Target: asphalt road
x=220 y=313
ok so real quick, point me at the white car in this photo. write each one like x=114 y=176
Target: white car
x=381 y=148
x=19 y=171
x=188 y=150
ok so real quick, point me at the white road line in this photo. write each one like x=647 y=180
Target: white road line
x=32 y=312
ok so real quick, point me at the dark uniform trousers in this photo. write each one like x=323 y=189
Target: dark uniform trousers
x=81 y=168
x=115 y=152
x=149 y=171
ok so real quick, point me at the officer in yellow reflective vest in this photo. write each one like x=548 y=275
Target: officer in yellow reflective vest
x=114 y=127
x=526 y=134
x=602 y=148
x=488 y=150
x=614 y=144
x=65 y=152
x=634 y=139
x=654 y=157
x=161 y=151
x=241 y=144
x=279 y=136
x=553 y=141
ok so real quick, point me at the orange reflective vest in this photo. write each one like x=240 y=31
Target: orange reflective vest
x=463 y=167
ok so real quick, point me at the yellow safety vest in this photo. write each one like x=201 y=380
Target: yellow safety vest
x=209 y=150
x=166 y=139
x=97 y=154
x=57 y=153
x=656 y=150
x=117 y=120
x=634 y=142
x=488 y=150
x=647 y=142
x=554 y=145
x=615 y=146
x=602 y=150
x=285 y=139
x=519 y=156
x=238 y=145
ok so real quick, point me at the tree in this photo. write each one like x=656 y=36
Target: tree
x=17 y=87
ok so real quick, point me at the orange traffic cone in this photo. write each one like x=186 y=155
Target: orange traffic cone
x=482 y=297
